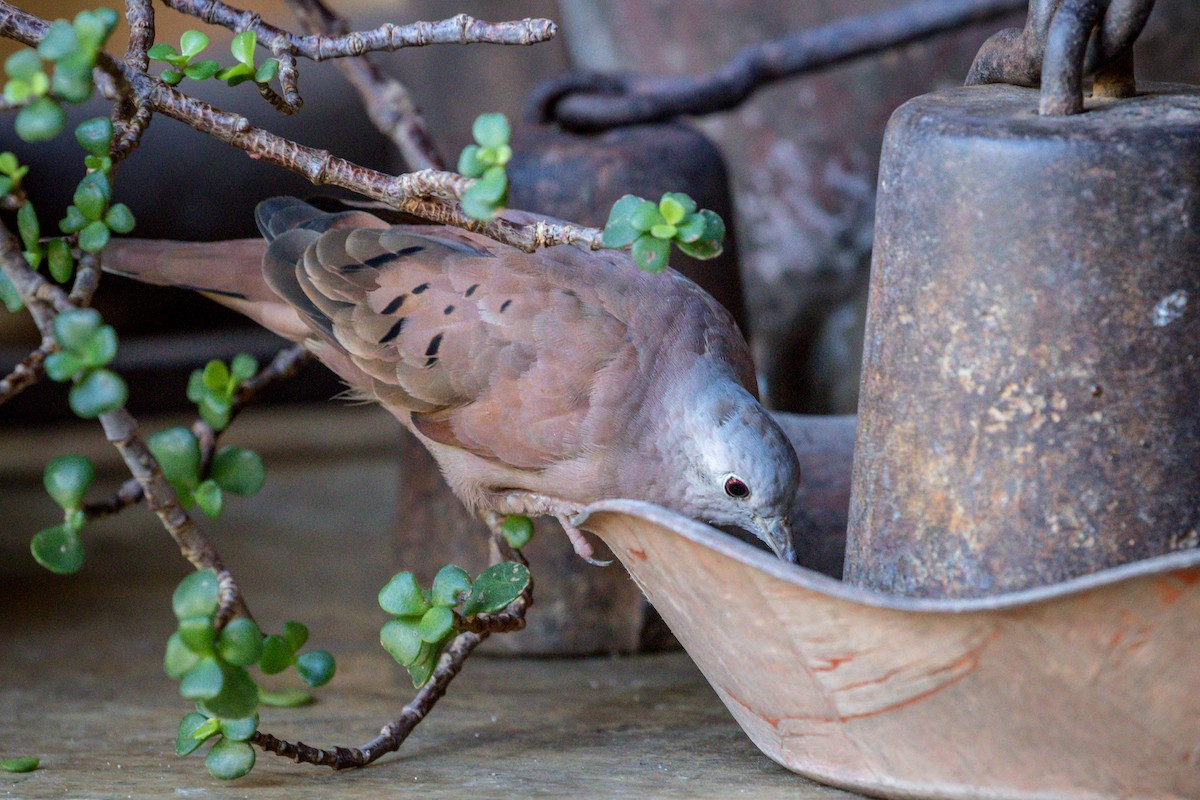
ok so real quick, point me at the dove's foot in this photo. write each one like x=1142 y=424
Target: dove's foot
x=539 y=505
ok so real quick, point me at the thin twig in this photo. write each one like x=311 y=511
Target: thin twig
x=26 y=373
x=386 y=100
x=392 y=735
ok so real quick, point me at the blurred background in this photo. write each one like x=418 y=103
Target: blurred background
x=801 y=159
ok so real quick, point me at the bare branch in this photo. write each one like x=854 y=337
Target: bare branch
x=387 y=102
x=140 y=16
x=26 y=373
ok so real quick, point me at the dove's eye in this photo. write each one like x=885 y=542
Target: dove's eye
x=736 y=487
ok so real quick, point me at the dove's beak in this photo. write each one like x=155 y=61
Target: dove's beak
x=777 y=533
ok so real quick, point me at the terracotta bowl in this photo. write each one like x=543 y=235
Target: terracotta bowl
x=1086 y=689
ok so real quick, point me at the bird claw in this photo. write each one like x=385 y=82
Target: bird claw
x=583 y=548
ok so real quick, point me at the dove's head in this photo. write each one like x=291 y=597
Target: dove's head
x=741 y=470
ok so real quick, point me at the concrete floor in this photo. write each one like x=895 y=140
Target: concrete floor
x=81 y=686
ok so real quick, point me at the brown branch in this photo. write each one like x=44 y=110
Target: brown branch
x=26 y=373
x=388 y=37
x=387 y=102
x=392 y=735
x=140 y=16
x=130 y=493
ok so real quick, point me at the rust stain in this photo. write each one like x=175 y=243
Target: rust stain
x=1168 y=593
x=633 y=551
x=1188 y=576
x=772 y=721
x=833 y=663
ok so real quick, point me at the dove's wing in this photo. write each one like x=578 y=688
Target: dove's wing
x=495 y=351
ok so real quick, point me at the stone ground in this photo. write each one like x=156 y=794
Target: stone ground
x=81 y=686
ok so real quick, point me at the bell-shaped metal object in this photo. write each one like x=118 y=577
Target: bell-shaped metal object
x=1030 y=406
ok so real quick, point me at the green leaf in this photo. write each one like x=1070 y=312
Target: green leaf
x=93 y=194
x=243 y=367
x=241 y=642
x=674 y=206
x=619 y=231
x=17 y=91
x=295 y=634
x=216 y=376
x=517 y=529
x=238 y=471
x=491 y=130
x=28 y=227
x=186 y=740
x=496 y=587
x=171 y=77
x=476 y=208
x=62 y=264
x=95 y=236
x=93 y=27
x=284 y=698
x=101 y=163
x=202 y=70
x=646 y=216
x=469 y=164
x=277 y=655
x=6 y=185
x=10 y=166
x=73 y=222
x=179 y=658
x=74 y=85
x=197 y=595
x=422 y=668
x=402 y=596
x=503 y=155
x=229 y=760
x=98 y=393
x=664 y=231
x=195 y=387
x=216 y=410
x=492 y=186
x=58 y=549
x=691 y=229
x=203 y=681
x=316 y=667
x=651 y=254
x=239 y=730
x=11 y=297
x=266 y=71
x=63 y=366
x=450 y=585
x=401 y=639
x=192 y=43
x=234 y=75
x=242 y=47
x=23 y=65
x=210 y=498
x=101 y=349
x=25 y=764
x=161 y=52
x=238 y=697
x=95 y=135
x=198 y=634
x=436 y=624
x=178 y=454
x=60 y=41
x=119 y=219
x=67 y=479
x=711 y=241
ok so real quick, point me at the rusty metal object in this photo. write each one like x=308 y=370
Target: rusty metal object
x=1088 y=689
x=578 y=178
x=588 y=102
x=1019 y=56
x=1029 y=400
x=585 y=610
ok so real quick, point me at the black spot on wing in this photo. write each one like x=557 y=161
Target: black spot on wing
x=504 y=306
x=394 y=306
x=384 y=258
x=393 y=331
x=432 y=349
x=471 y=289
x=448 y=310
x=421 y=288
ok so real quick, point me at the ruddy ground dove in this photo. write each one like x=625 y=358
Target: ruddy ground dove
x=540 y=382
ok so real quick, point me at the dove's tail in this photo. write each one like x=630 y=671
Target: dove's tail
x=229 y=272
